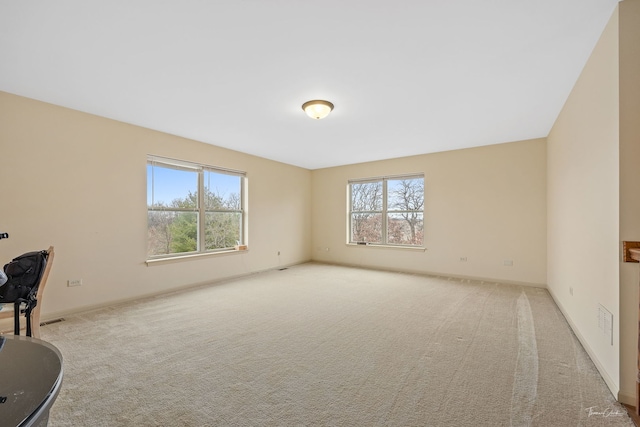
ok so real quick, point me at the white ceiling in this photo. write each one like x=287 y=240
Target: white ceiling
x=406 y=76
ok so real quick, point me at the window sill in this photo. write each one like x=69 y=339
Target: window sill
x=404 y=248
x=191 y=257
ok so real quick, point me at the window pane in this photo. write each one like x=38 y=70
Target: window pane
x=405 y=194
x=366 y=227
x=171 y=187
x=221 y=191
x=406 y=228
x=366 y=196
x=222 y=230
x=172 y=232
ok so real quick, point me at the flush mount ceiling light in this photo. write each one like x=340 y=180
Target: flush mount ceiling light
x=317 y=109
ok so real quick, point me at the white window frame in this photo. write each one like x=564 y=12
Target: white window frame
x=384 y=212
x=201 y=208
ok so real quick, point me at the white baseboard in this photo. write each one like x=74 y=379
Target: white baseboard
x=434 y=274
x=6 y=325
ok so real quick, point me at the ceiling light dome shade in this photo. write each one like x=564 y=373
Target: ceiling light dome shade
x=317 y=109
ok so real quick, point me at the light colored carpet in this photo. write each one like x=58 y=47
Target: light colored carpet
x=319 y=345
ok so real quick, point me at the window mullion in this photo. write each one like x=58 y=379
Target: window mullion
x=153 y=184
x=201 y=212
x=351 y=210
x=384 y=212
x=241 y=233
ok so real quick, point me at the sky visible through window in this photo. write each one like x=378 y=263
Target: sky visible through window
x=171 y=184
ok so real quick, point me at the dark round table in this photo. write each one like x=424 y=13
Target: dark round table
x=30 y=379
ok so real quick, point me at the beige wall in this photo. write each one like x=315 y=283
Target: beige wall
x=583 y=211
x=487 y=204
x=78 y=182
x=629 y=34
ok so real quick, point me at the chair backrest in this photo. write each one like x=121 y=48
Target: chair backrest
x=45 y=274
x=35 y=314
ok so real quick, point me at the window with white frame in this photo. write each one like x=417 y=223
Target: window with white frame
x=193 y=208
x=387 y=211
